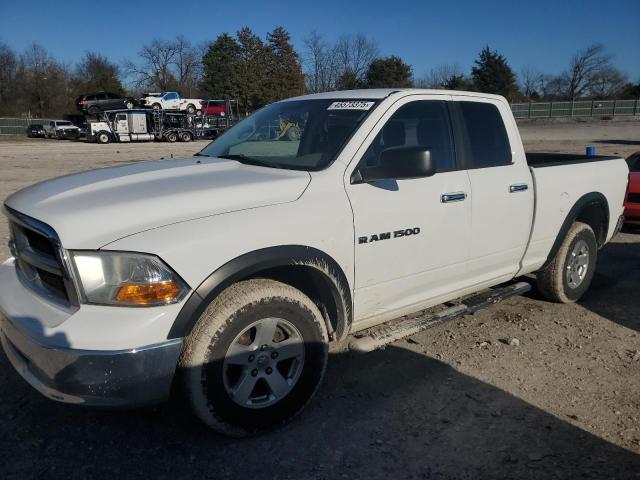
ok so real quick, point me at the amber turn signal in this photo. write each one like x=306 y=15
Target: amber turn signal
x=145 y=294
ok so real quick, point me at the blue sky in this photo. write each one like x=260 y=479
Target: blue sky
x=425 y=33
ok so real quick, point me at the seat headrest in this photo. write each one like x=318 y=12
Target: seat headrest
x=393 y=134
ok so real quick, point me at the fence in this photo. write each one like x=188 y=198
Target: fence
x=18 y=126
x=578 y=108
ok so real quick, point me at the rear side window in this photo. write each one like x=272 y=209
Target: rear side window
x=487 y=140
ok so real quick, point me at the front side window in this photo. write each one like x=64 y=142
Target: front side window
x=487 y=139
x=423 y=123
x=297 y=134
x=171 y=96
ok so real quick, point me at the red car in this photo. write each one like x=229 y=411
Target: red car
x=214 y=108
x=632 y=201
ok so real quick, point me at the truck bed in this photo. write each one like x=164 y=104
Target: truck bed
x=538 y=160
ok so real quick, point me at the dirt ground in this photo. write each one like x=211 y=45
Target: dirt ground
x=455 y=401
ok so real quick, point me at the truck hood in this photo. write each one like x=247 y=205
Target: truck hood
x=91 y=209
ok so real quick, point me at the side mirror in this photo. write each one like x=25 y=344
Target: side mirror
x=397 y=164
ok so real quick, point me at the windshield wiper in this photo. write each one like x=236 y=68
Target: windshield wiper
x=247 y=160
x=200 y=154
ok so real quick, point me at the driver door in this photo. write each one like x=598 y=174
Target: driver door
x=171 y=101
x=411 y=235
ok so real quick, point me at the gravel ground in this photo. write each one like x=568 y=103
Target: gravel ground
x=455 y=401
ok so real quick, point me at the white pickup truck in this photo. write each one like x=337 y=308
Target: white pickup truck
x=230 y=273
x=171 y=101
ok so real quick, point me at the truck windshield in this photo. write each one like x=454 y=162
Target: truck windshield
x=297 y=134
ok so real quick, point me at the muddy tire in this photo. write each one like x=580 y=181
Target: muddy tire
x=255 y=357
x=569 y=274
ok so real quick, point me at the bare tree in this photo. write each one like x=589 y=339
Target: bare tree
x=45 y=83
x=188 y=66
x=607 y=83
x=584 y=67
x=532 y=82
x=96 y=72
x=8 y=79
x=440 y=76
x=320 y=64
x=353 y=55
x=167 y=65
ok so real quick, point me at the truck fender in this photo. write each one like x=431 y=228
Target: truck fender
x=593 y=199
x=273 y=259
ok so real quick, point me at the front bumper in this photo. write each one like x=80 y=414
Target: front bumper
x=114 y=378
x=68 y=134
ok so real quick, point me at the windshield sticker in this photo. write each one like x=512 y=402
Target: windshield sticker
x=351 y=105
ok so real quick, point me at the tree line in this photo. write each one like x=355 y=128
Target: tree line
x=257 y=71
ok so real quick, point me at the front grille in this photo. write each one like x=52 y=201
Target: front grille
x=634 y=198
x=40 y=259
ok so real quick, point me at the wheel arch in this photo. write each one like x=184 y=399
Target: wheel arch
x=592 y=209
x=310 y=270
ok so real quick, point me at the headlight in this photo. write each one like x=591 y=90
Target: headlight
x=126 y=279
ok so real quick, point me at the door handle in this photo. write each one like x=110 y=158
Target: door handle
x=453 y=197
x=518 y=187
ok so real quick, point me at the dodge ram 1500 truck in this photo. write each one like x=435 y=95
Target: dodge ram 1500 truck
x=229 y=274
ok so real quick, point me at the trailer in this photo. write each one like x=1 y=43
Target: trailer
x=211 y=124
x=141 y=126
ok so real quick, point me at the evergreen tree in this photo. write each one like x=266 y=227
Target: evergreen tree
x=492 y=74
x=222 y=68
x=251 y=70
x=284 y=76
x=390 y=72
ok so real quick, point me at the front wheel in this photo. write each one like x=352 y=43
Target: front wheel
x=103 y=138
x=191 y=109
x=255 y=357
x=569 y=274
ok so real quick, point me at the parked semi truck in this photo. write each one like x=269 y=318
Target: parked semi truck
x=229 y=274
x=141 y=126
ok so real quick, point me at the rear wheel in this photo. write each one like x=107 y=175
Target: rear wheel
x=156 y=106
x=171 y=137
x=255 y=357
x=186 y=137
x=129 y=104
x=569 y=274
x=191 y=109
x=93 y=110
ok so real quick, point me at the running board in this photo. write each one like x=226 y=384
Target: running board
x=386 y=334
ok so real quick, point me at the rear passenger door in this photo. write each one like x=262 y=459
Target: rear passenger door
x=412 y=235
x=502 y=194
